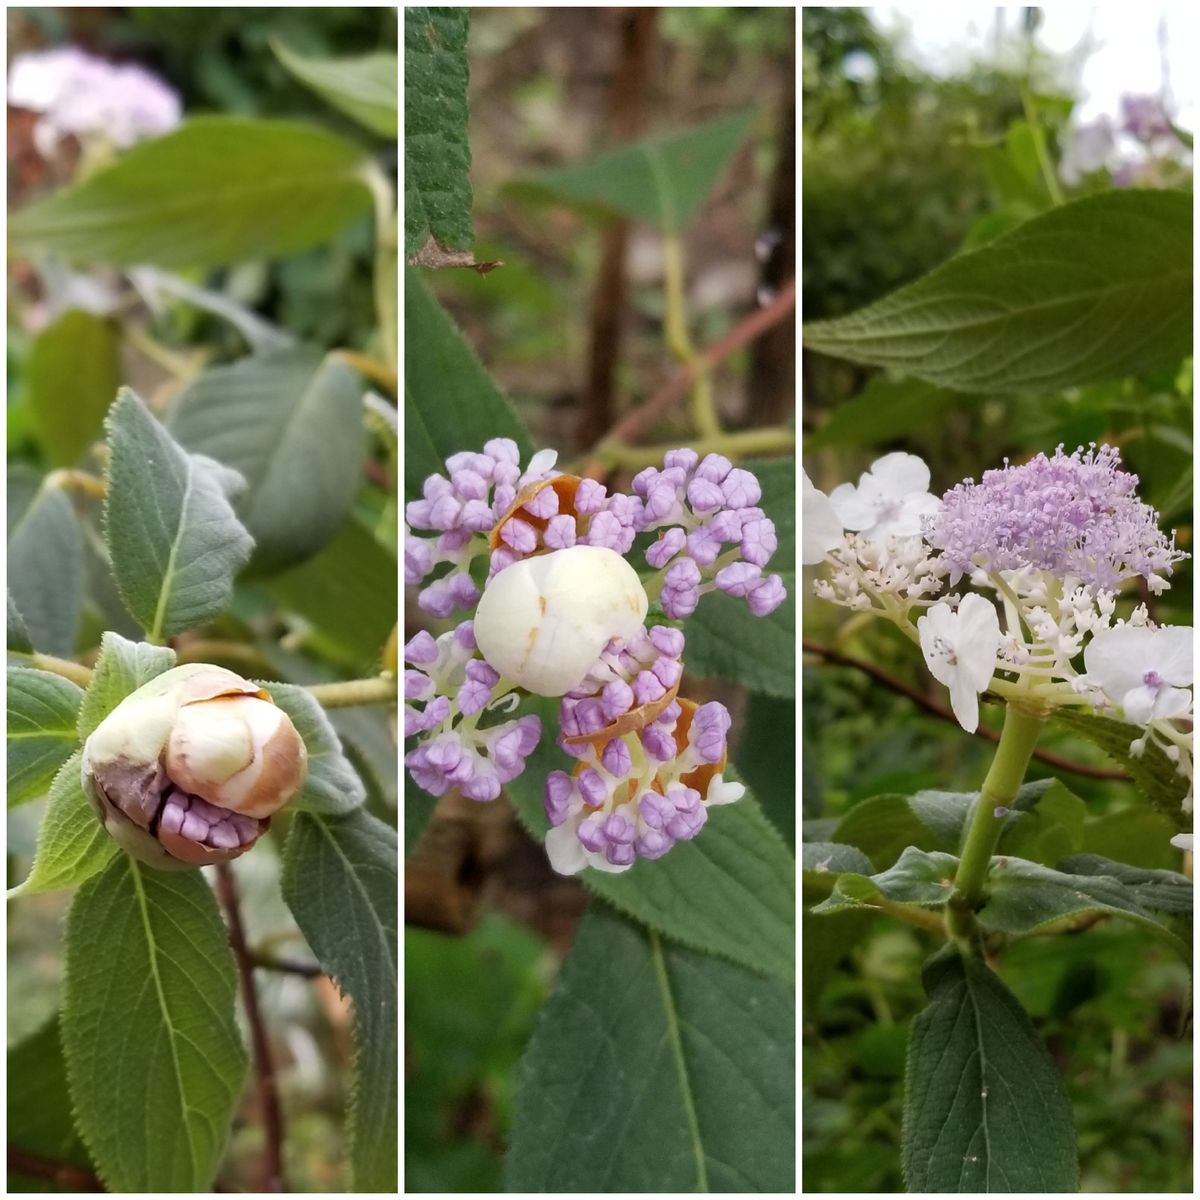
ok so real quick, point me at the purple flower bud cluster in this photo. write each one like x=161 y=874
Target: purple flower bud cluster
x=454 y=687
x=1144 y=118
x=195 y=819
x=702 y=506
x=621 y=806
x=461 y=508
x=1072 y=515
x=597 y=519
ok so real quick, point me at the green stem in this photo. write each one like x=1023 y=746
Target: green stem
x=1039 y=145
x=378 y=689
x=772 y=440
x=1018 y=740
x=75 y=672
x=679 y=342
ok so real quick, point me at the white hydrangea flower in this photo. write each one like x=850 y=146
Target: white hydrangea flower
x=960 y=649
x=819 y=524
x=1146 y=672
x=892 y=499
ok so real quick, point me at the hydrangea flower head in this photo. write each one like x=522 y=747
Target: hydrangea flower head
x=1145 y=671
x=892 y=499
x=1073 y=515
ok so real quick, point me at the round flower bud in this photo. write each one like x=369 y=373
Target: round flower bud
x=187 y=770
x=543 y=621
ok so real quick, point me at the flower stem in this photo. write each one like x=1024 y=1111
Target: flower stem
x=379 y=689
x=75 y=672
x=1018 y=739
x=772 y=440
x=679 y=342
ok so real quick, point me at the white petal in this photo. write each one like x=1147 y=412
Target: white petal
x=1138 y=704
x=977 y=640
x=1172 y=654
x=1116 y=660
x=937 y=625
x=852 y=508
x=1183 y=841
x=541 y=462
x=1171 y=702
x=564 y=850
x=721 y=791
x=899 y=474
x=964 y=699
x=819 y=524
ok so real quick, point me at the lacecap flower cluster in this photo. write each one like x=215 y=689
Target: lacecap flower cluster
x=540 y=564
x=1046 y=545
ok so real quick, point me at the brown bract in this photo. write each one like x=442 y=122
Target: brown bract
x=564 y=485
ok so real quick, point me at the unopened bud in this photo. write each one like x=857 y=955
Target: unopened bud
x=188 y=770
x=544 y=621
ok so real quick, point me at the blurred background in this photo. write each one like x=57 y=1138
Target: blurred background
x=572 y=329
x=920 y=138
x=184 y=62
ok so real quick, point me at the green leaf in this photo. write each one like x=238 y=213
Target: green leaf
x=437 y=155
x=918 y=877
x=72 y=844
x=39 y=1110
x=332 y=785
x=1049 y=829
x=729 y=891
x=1160 y=891
x=724 y=638
x=290 y=423
x=823 y=862
x=1154 y=773
x=450 y=402
x=654 y=1069
x=883 y=826
x=18 y=635
x=1023 y=896
x=766 y=758
x=42 y=710
x=341 y=880
x=1095 y=289
x=825 y=941
x=71 y=377
x=121 y=668
x=153 y=1053
x=353 y=574
x=984 y=1107
x=46 y=576
x=418 y=809
x=172 y=535
x=662 y=179
x=1136 y=836
x=364 y=86
x=217 y=190
x=884 y=410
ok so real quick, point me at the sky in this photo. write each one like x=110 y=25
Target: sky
x=1110 y=49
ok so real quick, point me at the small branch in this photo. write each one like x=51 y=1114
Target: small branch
x=933 y=709
x=265 y=962
x=63 y=1175
x=374 y=370
x=381 y=689
x=75 y=480
x=736 y=445
x=208 y=650
x=636 y=423
x=264 y=1069
x=75 y=672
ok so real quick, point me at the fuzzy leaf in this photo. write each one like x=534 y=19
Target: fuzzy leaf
x=340 y=879
x=332 y=786
x=984 y=1107
x=72 y=844
x=920 y=878
x=72 y=375
x=18 y=635
x=364 y=86
x=172 y=535
x=217 y=190
x=46 y=577
x=121 y=668
x=437 y=155
x=655 y=1069
x=1094 y=289
x=1161 y=891
x=290 y=423
x=42 y=711
x=154 y=1057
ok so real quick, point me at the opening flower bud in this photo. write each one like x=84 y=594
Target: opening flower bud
x=543 y=621
x=188 y=770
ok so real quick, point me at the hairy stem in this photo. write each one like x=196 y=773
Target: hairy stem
x=264 y=1067
x=1018 y=739
x=380 y=689
x=75 y=672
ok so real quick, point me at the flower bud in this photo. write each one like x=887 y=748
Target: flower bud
x=544 y=621
x=188 y=770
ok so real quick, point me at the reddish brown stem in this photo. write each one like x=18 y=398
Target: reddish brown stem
x=829 y=654
x=264 y=1068
x=63 y=1175
x=632 y=426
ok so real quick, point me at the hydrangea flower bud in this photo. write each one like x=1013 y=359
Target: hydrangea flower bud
x=544 y=621
x=188 y=770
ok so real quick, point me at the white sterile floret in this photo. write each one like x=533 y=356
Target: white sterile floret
x=1147 y=672
x=819 y=525
x=892 y=499
x=543 y=621
x=960 y=649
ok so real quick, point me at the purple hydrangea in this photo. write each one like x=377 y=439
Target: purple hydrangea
x=1072 y=515
x=701 y=507
x=453 y=687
